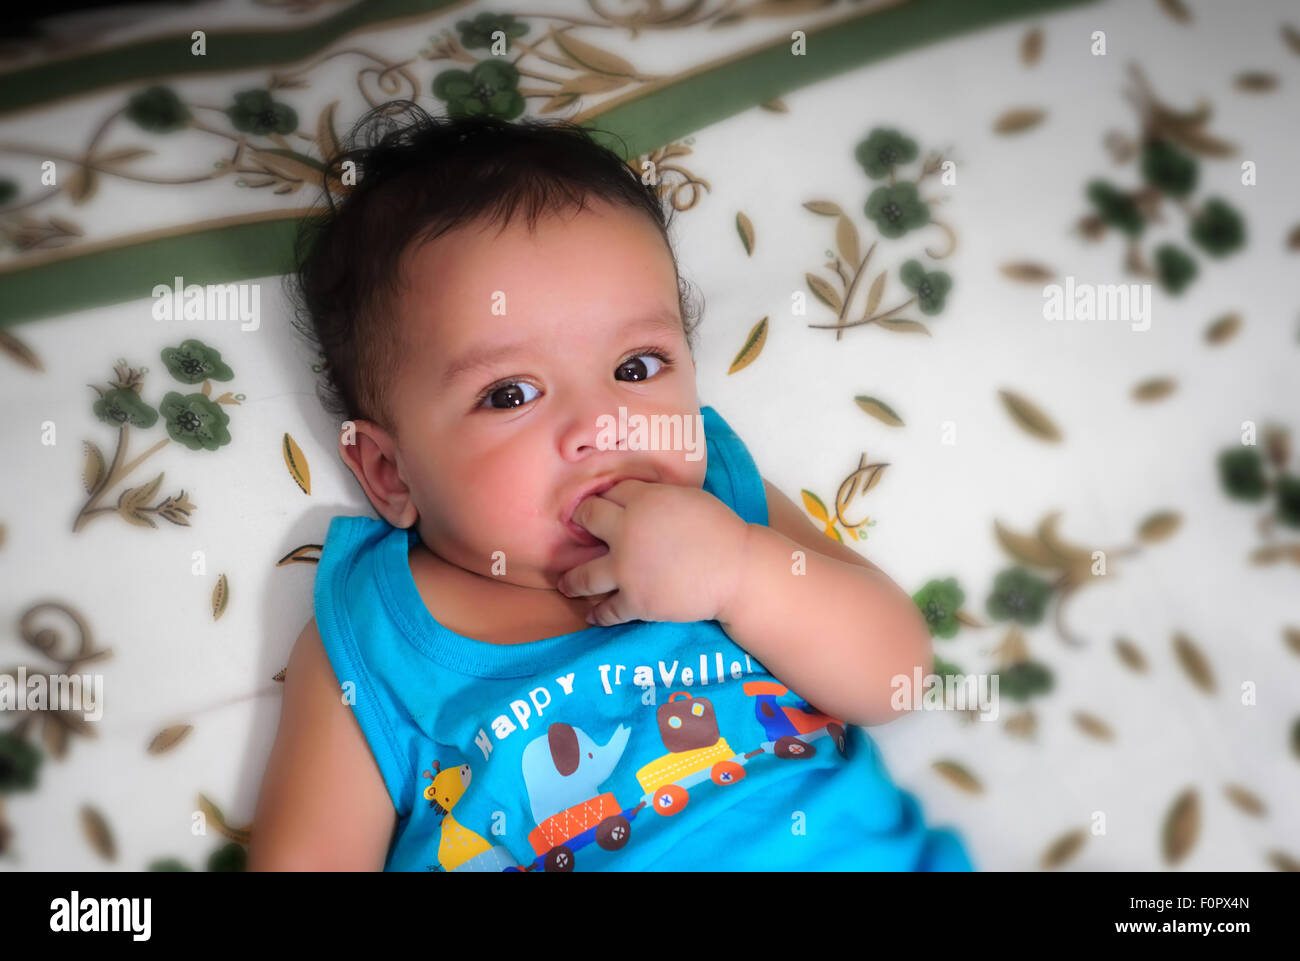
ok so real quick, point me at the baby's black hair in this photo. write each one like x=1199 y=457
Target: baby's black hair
x=416 y=177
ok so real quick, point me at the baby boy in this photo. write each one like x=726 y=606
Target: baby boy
x=599 y=652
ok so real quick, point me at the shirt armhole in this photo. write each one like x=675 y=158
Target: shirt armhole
x=739 y=468
x=349 y=665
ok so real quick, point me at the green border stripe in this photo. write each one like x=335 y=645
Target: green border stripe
x=217 y=256
x=693 y=104
x=170 y=57
x=262 y=249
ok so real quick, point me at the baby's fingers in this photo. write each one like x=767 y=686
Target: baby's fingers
x=610 y=612
x=599 y=516
x=593 y=577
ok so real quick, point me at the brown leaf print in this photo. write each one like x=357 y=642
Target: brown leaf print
x=1159 y=526
x=1193 y=662
x=213 y=814
x=19 y=351
x=959 y=776
x=297 y=464
x=305 y=554
x=1157 y=388
x=1292 y=637
x=1181 y=826
x=1093 y=726
x=753 y=347
x=1292 y=37
x=97 y=832
x=1029 y=416
x=850 y=246
x=826 y=208
x=1283 y=861
x=1063 y=848
x=1255 y=81
x=220 y=597
x=1018 y=120
x=1031 y=46
x=1130 y=655
x=880 y=410
x=746 y=230
x=1176 y=10
x=168 y=738
x=1223 y=329
x=1245 y=800
x=1028 y=273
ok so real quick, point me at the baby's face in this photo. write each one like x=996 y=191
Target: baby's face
x=519 y=344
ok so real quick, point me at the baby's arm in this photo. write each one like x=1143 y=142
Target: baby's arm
x=838 y=632
x=323 y=805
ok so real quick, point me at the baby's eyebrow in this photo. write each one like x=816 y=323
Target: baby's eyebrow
x=477 y=358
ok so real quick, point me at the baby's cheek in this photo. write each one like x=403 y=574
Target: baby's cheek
x=688 y=473
x=511 y=500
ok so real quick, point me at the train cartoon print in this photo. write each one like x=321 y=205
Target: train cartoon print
x=564 y=769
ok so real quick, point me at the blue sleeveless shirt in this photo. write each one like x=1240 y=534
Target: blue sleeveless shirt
x=645 y=746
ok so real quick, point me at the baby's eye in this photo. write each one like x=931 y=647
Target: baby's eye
x=636 y=368
x=511 y=395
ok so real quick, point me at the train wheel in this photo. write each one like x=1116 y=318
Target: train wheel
x=559 y=859
x=792 y=747
x=613 y=832
x=727 y=772
x=837 y=735
x=670 y=799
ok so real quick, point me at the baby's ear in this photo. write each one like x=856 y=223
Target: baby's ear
x=371 y=454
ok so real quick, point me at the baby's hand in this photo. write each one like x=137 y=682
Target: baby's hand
x=675 y=554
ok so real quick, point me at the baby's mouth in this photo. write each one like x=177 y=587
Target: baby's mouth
x=576 y=530
x=582 y=535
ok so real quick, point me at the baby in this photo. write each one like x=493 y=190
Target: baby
x=561 y=647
